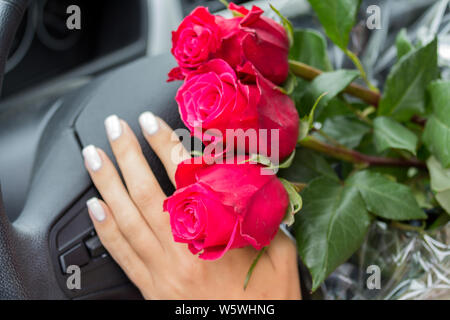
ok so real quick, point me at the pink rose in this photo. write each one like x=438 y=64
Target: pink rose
x=251 y=38
x=220 y=207
x=197 y=37
x=214 y=98
x=257 y=39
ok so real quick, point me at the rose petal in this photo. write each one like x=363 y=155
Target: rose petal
x=277 y=111
x=186 y=171
x=175 y=74
x=276 y=68
x=265 y=212
x=213 y=253
x=233 y=184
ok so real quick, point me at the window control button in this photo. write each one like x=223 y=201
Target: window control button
x=95 y=247
x=77 y=255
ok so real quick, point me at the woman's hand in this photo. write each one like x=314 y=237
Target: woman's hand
x=136 y=232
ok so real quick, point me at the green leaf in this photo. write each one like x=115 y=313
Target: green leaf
x=286 y=163
x=337 y=18
x=404 y=92
x=332 y=83
x=306 y=122
x=310 y=47
x=290 y=84
x=386 y=198
x=440 y=177
x=258 y=158
x=331 y=227
x=295 y=202
x=388 y=133
x=265 y=161
x=440 y=97
x=437 y=138
x=437 y=130
x=303 y=128
x=286 y=24
x=252 y=267
x=346 y=130
x=404 y=46
x=440 y=182
x=298 y=93
x=444 y=200
x=335 y=107
x=306 y=166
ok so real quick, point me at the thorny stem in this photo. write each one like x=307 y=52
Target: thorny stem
x=356 y=157
x=309 y=73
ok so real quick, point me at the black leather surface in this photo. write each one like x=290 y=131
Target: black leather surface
x=58 y=175
x=10 y=284
x=11 y=12
x=59 y=178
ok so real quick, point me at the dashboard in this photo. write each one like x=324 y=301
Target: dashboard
x=110 y=34
x=45 y=48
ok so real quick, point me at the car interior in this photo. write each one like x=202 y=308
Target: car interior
x=57 y=87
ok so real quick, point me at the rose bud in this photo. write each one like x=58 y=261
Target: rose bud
x=220 y=207
x=214 y=98
x=197 y=37
x=257 y=39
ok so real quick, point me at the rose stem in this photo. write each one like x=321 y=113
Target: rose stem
x=309 y=73
x=407 y=227
x=371 y=97
x=353 y=156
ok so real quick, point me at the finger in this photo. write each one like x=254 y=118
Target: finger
x=129 y=220
x=164 y=142
x=282 y=253
x=282 y=247
x=141 y=183
x=140 y=180
x=118 y=247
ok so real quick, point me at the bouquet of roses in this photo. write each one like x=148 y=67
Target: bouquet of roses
x=264 y=100
x=232 y=69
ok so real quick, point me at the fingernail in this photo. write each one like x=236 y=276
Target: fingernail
x=113 y=127
x=149 y=123
x=92 y=158
x=96 y=209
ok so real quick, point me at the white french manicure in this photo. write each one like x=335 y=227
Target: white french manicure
x=113 y=127
x=92 y=158
x=96 y=209
x=149 y=123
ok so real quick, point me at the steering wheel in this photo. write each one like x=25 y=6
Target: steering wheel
x=54 y=231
